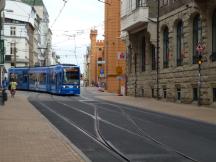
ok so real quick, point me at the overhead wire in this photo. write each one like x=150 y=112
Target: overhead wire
x=65 y=2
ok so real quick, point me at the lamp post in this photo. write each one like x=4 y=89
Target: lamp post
x=157 y=54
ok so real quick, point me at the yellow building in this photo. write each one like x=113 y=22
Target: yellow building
x=97 y=63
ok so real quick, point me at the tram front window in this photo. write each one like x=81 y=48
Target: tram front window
x=71 y=76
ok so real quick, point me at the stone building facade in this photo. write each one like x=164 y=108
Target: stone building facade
x=182 y=26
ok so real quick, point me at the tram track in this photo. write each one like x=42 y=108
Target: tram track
x=144 y=134
x=141 y=133
x=100 y=139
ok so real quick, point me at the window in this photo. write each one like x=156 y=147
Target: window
x=12 y=31
x=178 y=90
x=214 y=94
x=213 y=56
x=197 y=36
x=153 y=95
x=153 y=57
x=12 y=48
x=142 y=91
x=195 y=94
x=164 y=92
x=166 y=47
x=143 y=54
x=140 y=3
x=129 y=59
x=163 y=2
x=130 y=5
x=179 y=43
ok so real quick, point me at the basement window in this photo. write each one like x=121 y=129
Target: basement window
x=195 y=94
x=164 y=92
x=214 y=94
x=178 y=90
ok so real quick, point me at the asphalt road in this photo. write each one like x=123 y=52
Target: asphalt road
x=111 y=132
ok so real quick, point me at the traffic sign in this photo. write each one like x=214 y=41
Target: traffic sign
x=121 y=56
x=119 y=70
x=200 y=48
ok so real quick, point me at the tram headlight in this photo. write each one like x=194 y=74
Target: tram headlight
x=63 y=86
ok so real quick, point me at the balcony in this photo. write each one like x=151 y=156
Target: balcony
x=101 y=62
x=135 y=18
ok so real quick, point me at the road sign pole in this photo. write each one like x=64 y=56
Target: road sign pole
x=199 y=84
x=200 y=49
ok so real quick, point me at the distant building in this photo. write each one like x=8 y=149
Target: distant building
x=44 y=32
x=2 y=48
x=28 y=39
x=96 y=61
x=18 y=34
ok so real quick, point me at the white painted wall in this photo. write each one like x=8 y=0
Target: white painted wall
x=22 y=14
x=19 y=11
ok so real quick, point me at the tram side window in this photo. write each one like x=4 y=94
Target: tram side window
x=52 y=78
x=42 y=78
x=32 y=78
x=21 y=78
x=25 y=78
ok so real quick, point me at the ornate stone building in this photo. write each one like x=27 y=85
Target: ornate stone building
x=182 y=26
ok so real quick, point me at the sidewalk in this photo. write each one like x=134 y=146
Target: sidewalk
x=189 y=111
x=27 y=136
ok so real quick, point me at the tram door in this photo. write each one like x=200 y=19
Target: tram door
x=58 y=83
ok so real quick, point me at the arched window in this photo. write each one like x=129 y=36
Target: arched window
x=197 y=36
x=214 y=36
x=166 y=47
x=143 y=54
x=153 y=53
x=179 y=43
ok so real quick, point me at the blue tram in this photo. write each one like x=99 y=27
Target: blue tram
x=21 y=76
x=62 y=79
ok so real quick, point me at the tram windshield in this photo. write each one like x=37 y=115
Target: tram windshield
x=71 y=75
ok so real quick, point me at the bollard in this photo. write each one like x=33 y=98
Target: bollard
x=1 y=97
x=5 y=95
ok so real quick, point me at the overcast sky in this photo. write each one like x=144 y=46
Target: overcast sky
x=71 y=29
